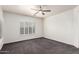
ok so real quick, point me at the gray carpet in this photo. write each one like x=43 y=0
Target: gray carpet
x=39 y=46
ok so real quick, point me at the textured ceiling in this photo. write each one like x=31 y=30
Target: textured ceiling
x=27 y=9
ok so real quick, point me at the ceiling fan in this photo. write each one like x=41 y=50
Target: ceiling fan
x=43 y=11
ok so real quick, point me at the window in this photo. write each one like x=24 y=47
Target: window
x=27 y=28
x=21 y=28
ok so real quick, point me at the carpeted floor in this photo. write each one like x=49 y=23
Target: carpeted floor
x=39 y=46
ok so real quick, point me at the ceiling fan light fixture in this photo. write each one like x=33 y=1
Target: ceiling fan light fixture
x=43 y=13
x=41 y=10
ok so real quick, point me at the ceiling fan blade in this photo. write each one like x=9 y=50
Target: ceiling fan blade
x=46 y=10
x=36 y=13
x=35 y=9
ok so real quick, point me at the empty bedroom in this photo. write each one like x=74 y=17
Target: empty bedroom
x=39 y=29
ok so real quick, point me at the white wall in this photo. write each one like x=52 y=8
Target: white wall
x=1 y=28
x=76 y=26
x=60 y=27
x=12 y=27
